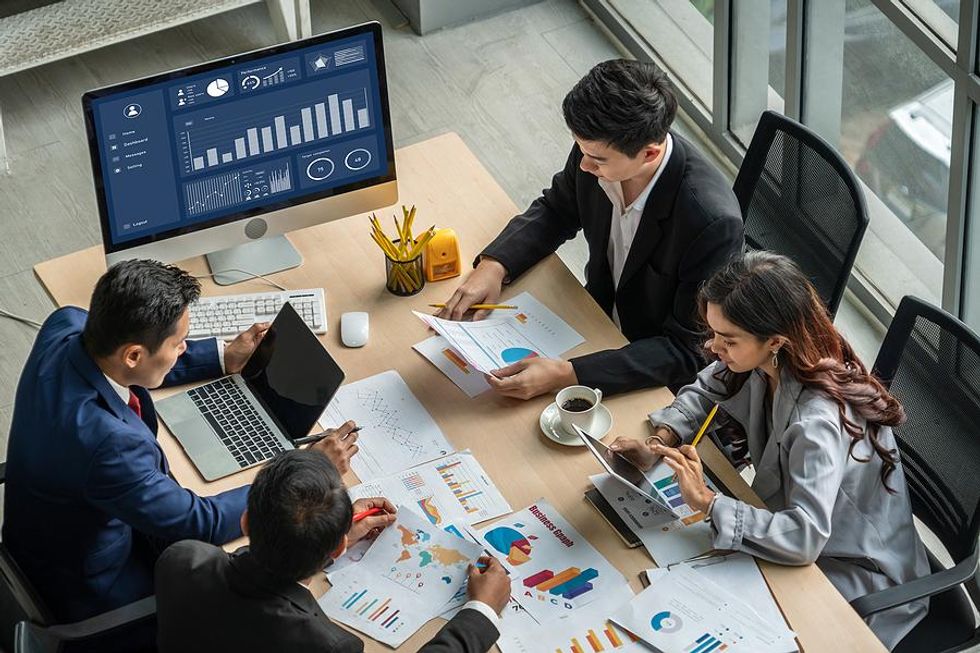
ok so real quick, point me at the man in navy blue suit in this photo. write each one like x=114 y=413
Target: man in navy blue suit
x=89 y=499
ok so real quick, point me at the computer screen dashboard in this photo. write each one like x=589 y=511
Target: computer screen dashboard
x=239 y=137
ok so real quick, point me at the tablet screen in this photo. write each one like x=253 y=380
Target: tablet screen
x=624 y=470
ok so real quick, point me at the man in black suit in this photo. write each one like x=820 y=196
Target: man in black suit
x=257 y=599
x=658 y=218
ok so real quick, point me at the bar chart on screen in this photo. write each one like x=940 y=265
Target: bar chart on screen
x=273 y=122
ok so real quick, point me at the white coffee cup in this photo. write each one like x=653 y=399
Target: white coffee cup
x=580 y=418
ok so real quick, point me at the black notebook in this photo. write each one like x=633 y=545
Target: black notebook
x=599 y=502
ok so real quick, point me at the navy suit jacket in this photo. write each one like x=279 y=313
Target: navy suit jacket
x=89 y=501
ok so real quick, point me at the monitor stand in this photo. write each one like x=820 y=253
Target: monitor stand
x=258 y=257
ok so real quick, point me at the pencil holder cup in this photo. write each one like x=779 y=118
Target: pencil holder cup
x=404 y=278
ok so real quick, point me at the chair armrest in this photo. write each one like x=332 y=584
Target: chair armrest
x=126 y=615
x=934 y=583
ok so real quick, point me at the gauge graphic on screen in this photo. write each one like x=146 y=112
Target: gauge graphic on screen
x=251 y=82
x=357 y=159
x=320 y=168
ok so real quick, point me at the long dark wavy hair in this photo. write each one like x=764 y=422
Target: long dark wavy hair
x=767 y=295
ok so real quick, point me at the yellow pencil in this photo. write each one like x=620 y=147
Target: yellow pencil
x=704 y=427
x=701 y=432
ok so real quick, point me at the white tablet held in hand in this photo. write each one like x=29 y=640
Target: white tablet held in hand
x=626 y=472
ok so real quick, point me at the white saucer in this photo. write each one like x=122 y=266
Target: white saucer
x=551 y=427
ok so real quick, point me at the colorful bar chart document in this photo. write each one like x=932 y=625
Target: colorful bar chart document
x=451 y=489
x=684 y=611
x=397 y=431
x=666 y=540
x=588 y=630
x=532 y=330
x=406 y=578
x=440 y=353
x=555 y=569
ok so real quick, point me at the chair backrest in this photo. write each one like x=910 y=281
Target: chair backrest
x=18 y=600
x=30 y=638
x=799 y=198
x=930 y=362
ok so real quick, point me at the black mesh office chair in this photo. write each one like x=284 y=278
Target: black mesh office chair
x=931 y=363
x=27 y=626
x=799 y=198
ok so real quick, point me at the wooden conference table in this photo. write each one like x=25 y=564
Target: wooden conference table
x=452 y=189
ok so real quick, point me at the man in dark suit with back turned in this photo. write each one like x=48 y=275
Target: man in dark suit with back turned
x=257 y=599
x=658 y=218
x=89 y=500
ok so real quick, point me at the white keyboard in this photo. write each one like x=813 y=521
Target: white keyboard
x=225 y=316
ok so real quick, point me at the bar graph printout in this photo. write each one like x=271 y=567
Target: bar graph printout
x=406 y=577
x=451 y=489
x=555 y=569
x=587 y=631
x=684 y=611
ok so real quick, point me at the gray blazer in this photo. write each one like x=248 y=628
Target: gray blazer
x=821 y=505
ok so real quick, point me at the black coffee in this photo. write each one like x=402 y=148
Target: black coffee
x=577 y=405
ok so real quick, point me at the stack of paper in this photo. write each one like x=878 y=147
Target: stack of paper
x=407 y=577
x=685 y=611
x=464 y=351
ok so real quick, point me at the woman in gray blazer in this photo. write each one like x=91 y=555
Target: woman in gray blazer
x=818 y=430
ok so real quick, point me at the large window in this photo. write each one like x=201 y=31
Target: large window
x=895 y=129
x=890 y=83
x=683 y=30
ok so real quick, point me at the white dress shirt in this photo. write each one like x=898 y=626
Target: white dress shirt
x=626 y=220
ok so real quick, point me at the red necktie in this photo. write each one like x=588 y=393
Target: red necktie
x=134 y=403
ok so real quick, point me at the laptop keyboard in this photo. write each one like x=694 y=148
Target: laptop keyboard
x=240 y=427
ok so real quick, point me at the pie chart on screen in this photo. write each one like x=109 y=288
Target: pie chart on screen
x=218 y=87
x=514 y=354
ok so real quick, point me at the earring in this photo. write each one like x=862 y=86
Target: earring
x=775 y=358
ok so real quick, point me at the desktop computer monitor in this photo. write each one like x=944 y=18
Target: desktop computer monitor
x=224 y=157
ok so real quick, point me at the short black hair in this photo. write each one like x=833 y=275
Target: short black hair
x=137 y=301
x=626 y=104
x=298 y=514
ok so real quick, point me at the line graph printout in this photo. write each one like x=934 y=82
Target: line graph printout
x=397 y=431
x=451 y=489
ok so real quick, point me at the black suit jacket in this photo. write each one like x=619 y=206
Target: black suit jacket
x=209 y=600
x=691 y=226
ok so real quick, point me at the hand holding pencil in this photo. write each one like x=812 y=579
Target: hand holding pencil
x=688 y=470
x=371 y=516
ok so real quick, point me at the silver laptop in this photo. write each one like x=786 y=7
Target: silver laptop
x=244 y=419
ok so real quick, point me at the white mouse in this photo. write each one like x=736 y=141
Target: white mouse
x=354 y=329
